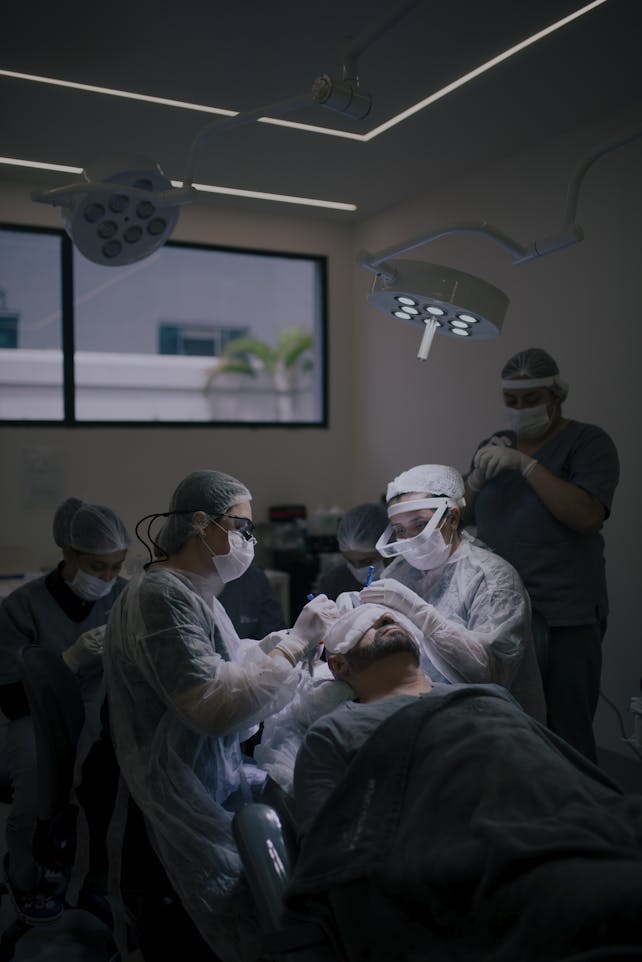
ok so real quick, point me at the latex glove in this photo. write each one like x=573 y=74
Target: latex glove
x=476 y=479
x=348 y=600
x=85 y=648
x=315 y=619
x=491 y=459
x=392 y=594
x=306 y=635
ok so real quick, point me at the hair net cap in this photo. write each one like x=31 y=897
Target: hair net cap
x=90 y=528
x=361 y=526
x=429 y=479
x=534 y=363
x=347 y=631
x=210 y=491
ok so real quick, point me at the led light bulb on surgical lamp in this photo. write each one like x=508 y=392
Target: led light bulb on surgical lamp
x=441 y=300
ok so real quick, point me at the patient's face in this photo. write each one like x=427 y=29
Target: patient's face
x=384 y=638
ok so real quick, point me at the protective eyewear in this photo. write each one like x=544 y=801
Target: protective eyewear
x=244 y=527
x=391 y=543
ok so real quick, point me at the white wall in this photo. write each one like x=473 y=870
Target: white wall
x=583 y=305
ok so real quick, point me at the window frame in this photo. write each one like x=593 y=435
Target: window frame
x=67 y=342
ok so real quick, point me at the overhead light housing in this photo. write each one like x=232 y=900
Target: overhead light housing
x=458 y=303
x=121 y=222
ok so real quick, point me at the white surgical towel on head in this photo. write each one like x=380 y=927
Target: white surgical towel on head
x=347 y=630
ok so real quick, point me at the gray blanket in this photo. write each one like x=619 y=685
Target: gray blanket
x=463 y=831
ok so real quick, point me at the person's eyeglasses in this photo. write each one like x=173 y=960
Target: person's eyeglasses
x=245 y=527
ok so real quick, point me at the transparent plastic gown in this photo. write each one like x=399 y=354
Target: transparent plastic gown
x=183 y=692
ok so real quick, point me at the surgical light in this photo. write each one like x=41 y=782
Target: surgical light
x=469 y=306
x=119 y=218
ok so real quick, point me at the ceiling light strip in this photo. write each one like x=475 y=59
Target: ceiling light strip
x=312 y=128
x=279 y=198
x=126 y=94
x=38 y=165
x=483 y=68
x=204 y=188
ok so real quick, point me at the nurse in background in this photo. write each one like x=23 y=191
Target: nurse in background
x=539 y=494
x=357 y=534
x=65 y=612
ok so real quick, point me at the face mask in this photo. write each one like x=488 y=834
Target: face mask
x=362 y=574
x=529 y=422
x=89 y=587
x=427 y=550
x=238 y=559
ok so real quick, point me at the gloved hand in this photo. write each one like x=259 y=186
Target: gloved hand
x=348 y=600
x=392 y=594
x=315 y=619
x=308 y=630
x=476 y=479
x=85 y=648
x=491 y=459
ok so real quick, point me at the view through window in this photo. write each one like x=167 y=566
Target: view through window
x=192 y=334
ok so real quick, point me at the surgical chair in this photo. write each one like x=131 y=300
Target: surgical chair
x=266 y=839
x=57 y=713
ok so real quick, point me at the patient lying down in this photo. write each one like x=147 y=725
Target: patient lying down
x=441 y=822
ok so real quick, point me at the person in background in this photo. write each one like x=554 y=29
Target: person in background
x=184 y=691
x=471 y=605
x=64 y=611
x=357 y=534
x=251 y=604
x=539 y=494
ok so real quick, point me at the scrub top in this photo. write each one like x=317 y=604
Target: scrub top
x=563 y=570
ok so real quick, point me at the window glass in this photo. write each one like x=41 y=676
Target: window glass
x=201 y=334
x=31 y=359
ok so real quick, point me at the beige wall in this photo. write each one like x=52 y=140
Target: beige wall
x=387 y=410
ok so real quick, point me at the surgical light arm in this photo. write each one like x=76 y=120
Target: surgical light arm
x=569 y=234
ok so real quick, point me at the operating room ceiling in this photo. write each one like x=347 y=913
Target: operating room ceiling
x=244 y=55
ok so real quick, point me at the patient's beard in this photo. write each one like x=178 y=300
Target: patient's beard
x=384 y=643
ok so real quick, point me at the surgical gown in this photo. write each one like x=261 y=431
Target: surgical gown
x=183 y=690
x=484 y=632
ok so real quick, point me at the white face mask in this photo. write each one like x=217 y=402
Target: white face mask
x=232 y=565
x=529 y=422
x=89 y=587
x=427 y=550
x=362 y=574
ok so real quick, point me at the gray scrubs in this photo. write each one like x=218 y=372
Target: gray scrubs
x=563 y=570
x=33 y=614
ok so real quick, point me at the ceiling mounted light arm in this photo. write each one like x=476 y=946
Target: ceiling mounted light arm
x=212 y=130
x=345 y=95
x=575 y=183
x=377 y=263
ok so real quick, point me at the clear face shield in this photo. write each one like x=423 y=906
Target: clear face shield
x=426 y=549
